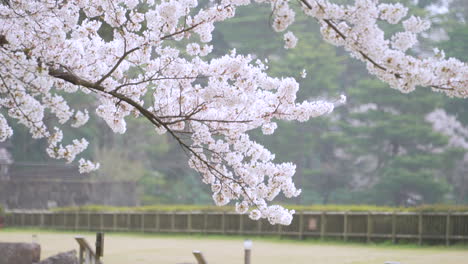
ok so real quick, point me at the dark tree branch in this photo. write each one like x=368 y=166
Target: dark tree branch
x=126 y=53
x=71 y=78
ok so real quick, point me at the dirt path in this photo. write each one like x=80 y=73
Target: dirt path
x=134 y=249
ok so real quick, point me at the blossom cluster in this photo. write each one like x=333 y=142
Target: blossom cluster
x=355 y=27
x=52 y=48
x=290 y=41
x=5 y=129
x=449 y=125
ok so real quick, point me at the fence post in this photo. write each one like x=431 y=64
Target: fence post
x=205 y=222
x=173 y=222
x=241 y=223
x=420 y=227
x=345 y=226
x=223 y=223
x=394 y=227
x=12 y=220
x=77 y=220
x=280 y=231
x=36 y=219
x=25 y=214
x=369 y=227
x=447 y=230
x=7 y=220
x=33 y=219
x=259 y=226
x=22 y=218
x=323 y=224
x=89 y=221
x=189 y=222
x=143 y=222
x=99 y=245
x=158 y=222
x=301 y=225
x=129 y=222
x=114 y=221
x=52 y=220
x=101 y=221
x=41 y=219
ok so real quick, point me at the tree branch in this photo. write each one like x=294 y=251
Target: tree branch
x=71 y=78
x=116 y=65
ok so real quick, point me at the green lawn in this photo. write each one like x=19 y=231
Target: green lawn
x=131 y=248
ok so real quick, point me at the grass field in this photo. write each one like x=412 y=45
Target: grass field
x=130 y=248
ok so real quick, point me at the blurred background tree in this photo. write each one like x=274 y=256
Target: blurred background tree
x=376 y=149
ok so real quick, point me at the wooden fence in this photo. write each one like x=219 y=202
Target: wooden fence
x=431 y=228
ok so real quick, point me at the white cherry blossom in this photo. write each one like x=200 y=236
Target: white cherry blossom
x=49 y=50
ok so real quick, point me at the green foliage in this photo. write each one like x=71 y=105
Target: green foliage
x=156 y=188
x=456 y=46
x=117 y=165
x=374 y=208
x=298 y=208
x=148 y=208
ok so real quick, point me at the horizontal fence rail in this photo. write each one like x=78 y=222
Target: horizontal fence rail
x=435 y=228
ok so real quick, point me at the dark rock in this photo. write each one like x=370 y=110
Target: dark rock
x=19 y=253
x=62 y=258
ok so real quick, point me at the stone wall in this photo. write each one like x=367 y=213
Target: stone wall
x=30 y=253
x=19 y=253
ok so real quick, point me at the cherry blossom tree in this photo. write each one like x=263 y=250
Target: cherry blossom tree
x=51 y=48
